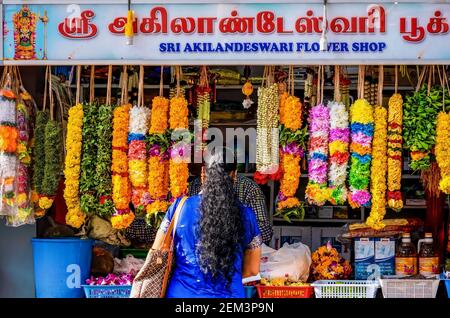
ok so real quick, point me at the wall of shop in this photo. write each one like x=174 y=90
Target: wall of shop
x=16 y=261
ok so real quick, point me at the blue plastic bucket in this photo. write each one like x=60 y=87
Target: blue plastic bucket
x=61 y=266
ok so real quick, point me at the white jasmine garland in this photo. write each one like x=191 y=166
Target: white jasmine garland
x=139 y=120
x=7 y=166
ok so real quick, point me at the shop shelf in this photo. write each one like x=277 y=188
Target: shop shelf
x=285 y=291
x=110 y=291
x=345 y=288
x=321 y=220
x=409 y=288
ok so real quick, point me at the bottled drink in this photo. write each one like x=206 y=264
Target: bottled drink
x=406 y=257
x=428 y=258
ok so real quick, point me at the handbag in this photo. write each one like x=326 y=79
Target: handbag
x=152 y=279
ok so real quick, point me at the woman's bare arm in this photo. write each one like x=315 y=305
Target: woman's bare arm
x=157 y=244
x=252 y=259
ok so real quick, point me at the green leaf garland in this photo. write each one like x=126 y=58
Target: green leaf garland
x=53 y=149
x=39 y=150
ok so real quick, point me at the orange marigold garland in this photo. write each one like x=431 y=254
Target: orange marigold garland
x=291 y=152
x=158 y=162
x=122 y=217
x=180 y=150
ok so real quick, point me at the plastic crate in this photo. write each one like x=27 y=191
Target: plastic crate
x=447 y=284
x=107 y=291
x=345 y=288
x=285 y=291
x=409 y=288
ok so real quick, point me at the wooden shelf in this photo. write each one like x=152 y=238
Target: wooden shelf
x=276 y=219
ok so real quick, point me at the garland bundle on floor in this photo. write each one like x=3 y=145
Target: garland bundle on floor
x=378 y=170
x=394 y=161
x=74 y=217
x=361 y=113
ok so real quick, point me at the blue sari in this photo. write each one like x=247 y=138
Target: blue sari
x=187 y=280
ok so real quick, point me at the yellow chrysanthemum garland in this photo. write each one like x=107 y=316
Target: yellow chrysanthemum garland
x=178 y=167
x=74 y=217
x=394 y=151
x=378 y=170
x=442 y=150
x=121 y=195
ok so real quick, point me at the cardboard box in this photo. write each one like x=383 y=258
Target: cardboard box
x=321 y=235
x=294 y=234
x=364 y=257
x=385 y=255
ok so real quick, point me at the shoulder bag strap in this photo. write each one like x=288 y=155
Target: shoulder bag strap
x=171 y=230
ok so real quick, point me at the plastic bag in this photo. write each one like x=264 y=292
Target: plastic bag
x=291 y=262
x=129 y=264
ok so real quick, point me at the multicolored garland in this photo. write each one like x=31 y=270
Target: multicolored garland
x=317 y=191
x=180 y=150
x=121 y=195
x=394 y=161
x=137 y=155
x=158 y=161
x=339 y=154
x=74 y=217
x=361 y=113
x=442 y=150
x=378 y=170
x=8 y=145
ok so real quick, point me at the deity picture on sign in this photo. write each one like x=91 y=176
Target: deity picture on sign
x=24 y=34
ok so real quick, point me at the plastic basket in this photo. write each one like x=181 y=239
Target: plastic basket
x=345 y=288
x=409 y=288
x=447 y=284
x=107 y=291
x=285 y=291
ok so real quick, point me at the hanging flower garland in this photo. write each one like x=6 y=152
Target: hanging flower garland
x=8 y=146
x=122 y=217
x=158 y=162
x=23 y=183
x=74 y=217
x=442 y=150
x=317 y=191
x=105 y=205
x=137 y=154
x=39 y=159
x=361 y=113
x=378 y=170
x=339 y=154
x=180 y=150
x=88 y=178
x=267 y=130
x=394 y=161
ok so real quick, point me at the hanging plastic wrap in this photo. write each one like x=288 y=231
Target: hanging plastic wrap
x=8 y=147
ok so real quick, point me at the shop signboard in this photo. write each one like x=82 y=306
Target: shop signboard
x=226 y=33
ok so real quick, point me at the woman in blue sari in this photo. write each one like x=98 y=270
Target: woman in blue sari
x=217 y=241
